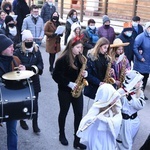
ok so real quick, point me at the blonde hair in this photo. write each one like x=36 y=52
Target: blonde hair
x=95 y=51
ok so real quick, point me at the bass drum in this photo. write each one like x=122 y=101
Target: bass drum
x=17 y=103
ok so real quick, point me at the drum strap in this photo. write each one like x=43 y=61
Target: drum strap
x=16 y=62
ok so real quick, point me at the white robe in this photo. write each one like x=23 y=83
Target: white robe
x=102 y=133
x=129 y=127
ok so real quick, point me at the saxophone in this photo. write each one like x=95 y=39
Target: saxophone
x=122 y=71
x=80 y=81
x=108 y=78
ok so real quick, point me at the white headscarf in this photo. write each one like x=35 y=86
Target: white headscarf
x=105 y=95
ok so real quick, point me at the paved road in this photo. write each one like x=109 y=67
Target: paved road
x=48 y=112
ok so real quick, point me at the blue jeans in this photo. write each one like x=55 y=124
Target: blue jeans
x=12 y=136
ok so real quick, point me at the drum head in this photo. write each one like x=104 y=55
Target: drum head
x=18 y=75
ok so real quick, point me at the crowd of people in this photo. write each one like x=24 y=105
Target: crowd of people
x=115 y=67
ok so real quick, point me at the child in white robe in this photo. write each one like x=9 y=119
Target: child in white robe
x=131 y=104
x=99 y=129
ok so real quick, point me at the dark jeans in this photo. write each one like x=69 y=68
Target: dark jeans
x=65 y=99
x=51 y=61
x=12 y=136
x=146 y=75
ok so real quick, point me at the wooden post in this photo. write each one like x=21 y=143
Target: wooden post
x=105 y=7
x=61 y=8
x=134 y=12
x=81 y=10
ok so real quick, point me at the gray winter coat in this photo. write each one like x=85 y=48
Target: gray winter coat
x=37 y=29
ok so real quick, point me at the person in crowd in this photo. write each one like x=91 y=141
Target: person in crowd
x=65 y=73
x=132 y=100
x=6 y=65
x=126 y=36
x=7 y=7
x=52 y=39
x=71 y=18
x=21 y=10
x=75 y=31
x=141 y=59
x=90 y=36
x=146 y=144
x=31 y=58
x=106 y=30
x=97 y=65
x=137 y=28
x=2 y=18
x=99 y=128
x=35 y=24
x=14 y=6
x=10 y=30
x=120 y=63
x=47 y=10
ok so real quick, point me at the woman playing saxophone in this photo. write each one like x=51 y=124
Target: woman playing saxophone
x=120 y=63
x=69 y=71
x=98 y=67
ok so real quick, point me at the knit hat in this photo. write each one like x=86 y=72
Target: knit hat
x=5 y=42
x=118 y=42
x=8 y=19
x=127 y=26
x=26 y=34
x=147 y=25
x=75 y=25
x=105 y=95
x=131 y=79
x=105 y=19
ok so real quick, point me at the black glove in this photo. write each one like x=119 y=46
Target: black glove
x=53 y=35
x=60 y=35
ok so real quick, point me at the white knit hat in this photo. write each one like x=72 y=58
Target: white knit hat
x=147 y=25
x=75 y=25
x=26 y=34
x=105 y=95
x=131 y=79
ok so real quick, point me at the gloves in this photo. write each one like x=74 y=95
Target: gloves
x=84 y=73
x=72 y=85
x=53 y=35
x=60 y=34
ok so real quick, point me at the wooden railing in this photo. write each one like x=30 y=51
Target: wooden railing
x=122 y=10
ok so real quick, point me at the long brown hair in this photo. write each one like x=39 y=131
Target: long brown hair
x=68 y=51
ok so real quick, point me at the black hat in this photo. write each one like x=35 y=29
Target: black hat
x=136 y=18
x=8 y=19
x=5 y=42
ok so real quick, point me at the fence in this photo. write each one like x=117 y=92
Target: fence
x=121 y=10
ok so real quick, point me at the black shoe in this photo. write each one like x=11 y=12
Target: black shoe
x=145 y=98
x=24 y=125
x=63 y=140
x=79 y=146
x=36 y=129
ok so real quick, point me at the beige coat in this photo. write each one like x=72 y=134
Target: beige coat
x=52 y=42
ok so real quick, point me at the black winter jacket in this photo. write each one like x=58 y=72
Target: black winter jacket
x=29 y=59
x=63 y=73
